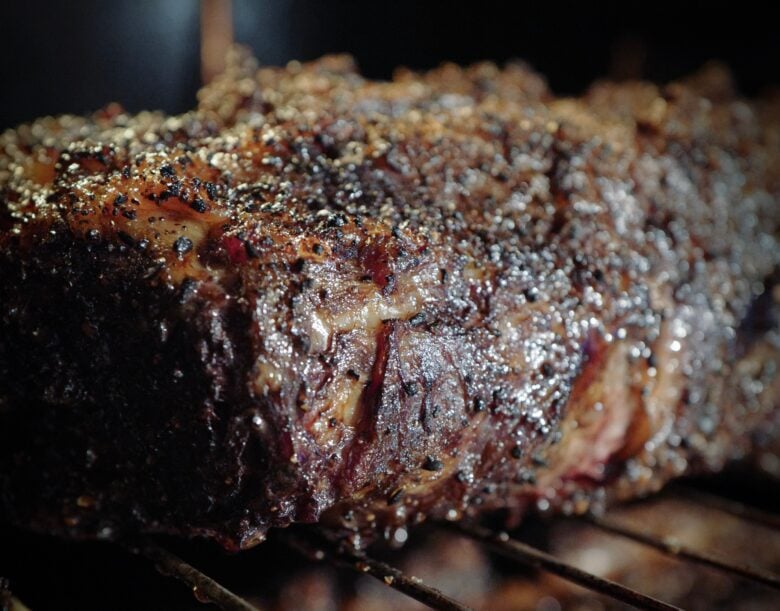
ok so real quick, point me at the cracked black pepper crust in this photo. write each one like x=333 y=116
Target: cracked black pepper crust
x=321 y=298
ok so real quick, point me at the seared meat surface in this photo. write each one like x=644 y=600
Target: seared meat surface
x=322 y=298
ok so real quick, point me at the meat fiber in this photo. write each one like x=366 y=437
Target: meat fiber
x=322 y=298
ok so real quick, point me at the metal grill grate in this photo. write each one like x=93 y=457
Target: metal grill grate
x=202 y=573
x=324 y=551
x=315 y=546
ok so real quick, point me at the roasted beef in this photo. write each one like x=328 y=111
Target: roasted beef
x=318 y=297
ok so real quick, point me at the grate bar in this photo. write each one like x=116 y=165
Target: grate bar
x=521 y=552
x=391 y=576
x=672 y=547
x=203 y=587
x=7 y=600
x=735 y=508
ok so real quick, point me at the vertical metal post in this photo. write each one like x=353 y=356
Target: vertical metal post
x=216 y=36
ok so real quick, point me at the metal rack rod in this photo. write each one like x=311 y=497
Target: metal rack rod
x=516 y=550
x=216 y=36
x=674 y=548
x=391 y=576
x=203 y=587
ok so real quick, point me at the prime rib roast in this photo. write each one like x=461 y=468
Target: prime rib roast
x=321 y=298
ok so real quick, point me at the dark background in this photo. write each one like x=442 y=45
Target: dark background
x=78 y=55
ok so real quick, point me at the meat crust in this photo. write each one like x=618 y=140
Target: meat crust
x=322 y=298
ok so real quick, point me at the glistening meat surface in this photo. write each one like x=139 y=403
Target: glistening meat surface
x=318 y=297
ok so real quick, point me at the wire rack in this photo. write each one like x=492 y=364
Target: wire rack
x=320 y=548
x=315 y=545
